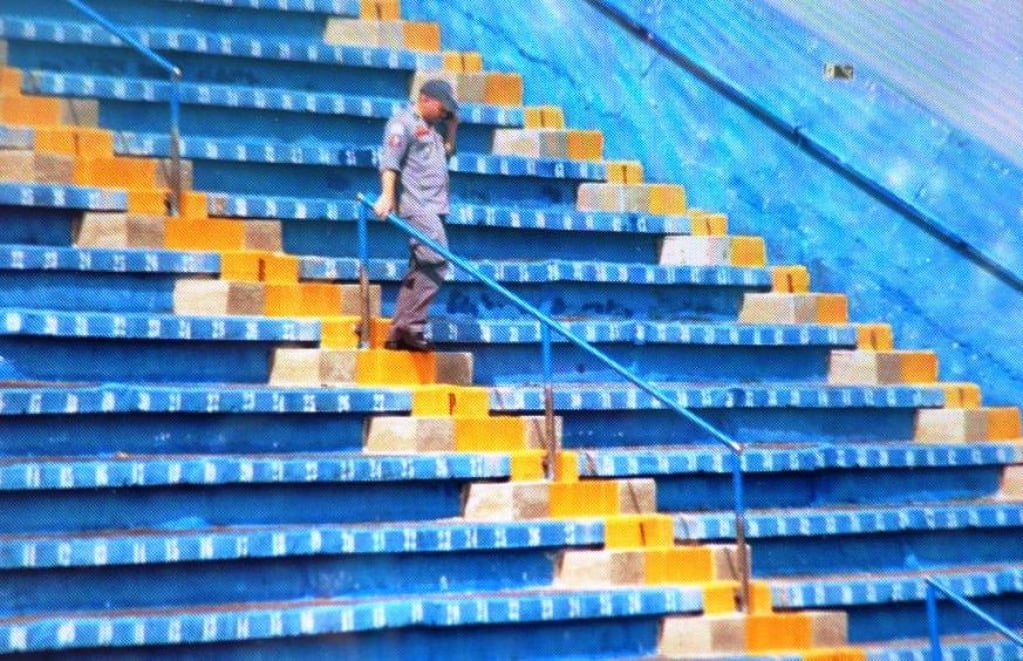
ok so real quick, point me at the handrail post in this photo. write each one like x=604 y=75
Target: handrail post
x=177 y=193
x=550 y=428
x=741 y=552
x=177 y=187
x=363 y=248
x=932 y=621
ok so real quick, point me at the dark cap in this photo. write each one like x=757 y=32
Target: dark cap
x=440 y=90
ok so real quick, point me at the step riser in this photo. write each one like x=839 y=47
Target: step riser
x=287 y=578
x=867 y=552
x=504 y=363
x=70 y=359
x=649 y=427
x=48 y=435
x=342 y=181
x=228 y=505
x=830 y=487
x=311 y=76
x=336 y=238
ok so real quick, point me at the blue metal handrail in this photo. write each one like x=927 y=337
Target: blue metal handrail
x=933 y=587
x=175 y=94
x=548 y=324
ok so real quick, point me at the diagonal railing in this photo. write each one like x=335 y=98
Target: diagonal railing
x=175 y=95
x=933 y=588
x=547 y=325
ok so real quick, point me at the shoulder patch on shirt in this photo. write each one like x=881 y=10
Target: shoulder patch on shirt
x=394 y=140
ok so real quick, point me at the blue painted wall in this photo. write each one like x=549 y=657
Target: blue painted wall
x=683 y=130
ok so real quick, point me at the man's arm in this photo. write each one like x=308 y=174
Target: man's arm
x=450 y=134
x=387 y=202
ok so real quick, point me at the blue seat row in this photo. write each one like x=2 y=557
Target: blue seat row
x=325 y=168
x=295 y=562
x=15 y=194
x=79 y=420
x=890 y=606
x=207 y=97
x=585 y=621
x=517 y=217
x=805 y=476
x=221 y=56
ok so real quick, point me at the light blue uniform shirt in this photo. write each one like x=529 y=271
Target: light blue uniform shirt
x=415 y=150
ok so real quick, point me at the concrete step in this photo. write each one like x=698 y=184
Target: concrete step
x=47 y=420
x=76 y=46
x=147 y=568
x=226 y=111
x=325 y=167
x=127 y=491
x=804 y=476
x=833 y=540
x=526 y=622
x=890 y=606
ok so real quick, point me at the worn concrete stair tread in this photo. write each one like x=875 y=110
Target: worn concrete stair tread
x=969 y=646
x=248 y=621
x=617 y=396
x=206 y=399
x=137 y=470
x=330 y=7
x=553 y=270
x=217 y=43
x=62 y=196
x=844 y=590
x=251 y=150
x=852 y=519
x=143 y=326
x=154 y=546
x=641 y=332
x=557 y=218
x=248 y=96
x=625 y=461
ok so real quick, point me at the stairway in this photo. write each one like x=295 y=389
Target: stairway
x=198 y=459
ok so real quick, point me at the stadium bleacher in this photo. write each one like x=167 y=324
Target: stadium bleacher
x=198 y=459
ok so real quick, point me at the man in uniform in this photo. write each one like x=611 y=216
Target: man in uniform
x=414 y=182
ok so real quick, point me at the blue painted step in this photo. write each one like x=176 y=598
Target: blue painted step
x=102 y=280
x=891 y=606
x=504 y=351
x=478 y=231
x=615 y=415
x=104 y=420
x=955 y=648
x=129 y=280
x=77 y=46
x=134 y=491
x=238 y=111
x=604 y=623
x=832 y=544
x=296 y=21
x=327 y=167
x=98 y=346
x=812 y=475
x=159 y=568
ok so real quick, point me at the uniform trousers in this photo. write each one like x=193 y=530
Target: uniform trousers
x=427 y=270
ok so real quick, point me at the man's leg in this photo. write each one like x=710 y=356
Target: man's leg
x=419 y=287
